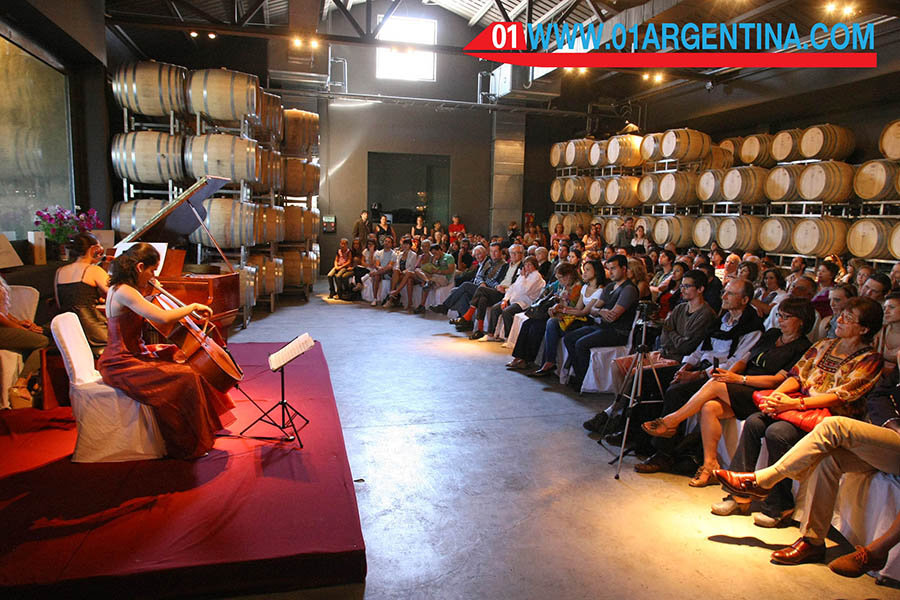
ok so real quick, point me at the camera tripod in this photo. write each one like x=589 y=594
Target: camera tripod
x=634 y=376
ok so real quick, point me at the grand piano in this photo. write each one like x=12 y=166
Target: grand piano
x=172 y=225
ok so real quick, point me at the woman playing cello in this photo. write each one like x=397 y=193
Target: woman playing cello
x=188 y=409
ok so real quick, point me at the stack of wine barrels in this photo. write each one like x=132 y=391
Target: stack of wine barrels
x=757 y=150
x=129 y=216
x=745 y=185
x=301 y=266
x=151 y=88
x=301 y=223
x=674 y=229
x=871 y=238
x=301 y=132
x=570 y=221
x=782 y=183
x=301 y=177
x=622 y=191
x=222 y=155
x=249 y=274
x=148 y=156
x=232 y=223
x=222 y=95
x=270 y=273
x=820 y=236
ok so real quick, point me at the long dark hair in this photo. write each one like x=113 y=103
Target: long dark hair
x=124 y=268
x=82 y=242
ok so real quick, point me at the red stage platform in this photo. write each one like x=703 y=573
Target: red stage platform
x=251 y=516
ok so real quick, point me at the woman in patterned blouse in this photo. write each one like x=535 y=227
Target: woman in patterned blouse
x=834 y=374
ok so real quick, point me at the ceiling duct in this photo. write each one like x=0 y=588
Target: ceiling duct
x=516 y=84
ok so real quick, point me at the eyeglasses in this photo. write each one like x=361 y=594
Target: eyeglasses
x=784 y=315
x=684 y=286
x=846 y=317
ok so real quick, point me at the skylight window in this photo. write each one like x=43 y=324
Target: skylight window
x=402 y=62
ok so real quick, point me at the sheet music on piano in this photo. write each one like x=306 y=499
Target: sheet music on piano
x=290 y=351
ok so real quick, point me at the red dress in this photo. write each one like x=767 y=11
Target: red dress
x=188 y=410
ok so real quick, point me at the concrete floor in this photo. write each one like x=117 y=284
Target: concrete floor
x=478 y=482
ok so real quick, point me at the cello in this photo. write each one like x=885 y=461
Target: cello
x=202 y=346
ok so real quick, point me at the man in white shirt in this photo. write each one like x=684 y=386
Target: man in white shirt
x=385 y=258
x=738 y=331
x=519 y=296
x=486 y=297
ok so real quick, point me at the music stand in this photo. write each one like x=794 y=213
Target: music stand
x=277 y=361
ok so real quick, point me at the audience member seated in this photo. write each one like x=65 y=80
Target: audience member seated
x=613 y=316
x=545 y=267
x=354 y=273
x=663 y=274
x=738 y=331
x=730 y=392
x=435 y=271
x=490 y=274
x=670 y=292
x=849 y=275
x=385 y=259
x=456 y=229
x=836 y=446
x=419 y=230
x=748 y=270
x=367 y=264
x=682 y=331
x=826 y=275
x=384 y=229
x=519 y=296
x=485 y=296
x=568 y=319
x=887 y=342
x=714 y=286
x=772 y=286
x=837 y=297
x=343 y=263
x=730 y=268
x=876 y=287
x=834 y=374
x=81 y=286
x=25 y=338
x=895 y=276
x=803 y=287
x=863 y=272
x=640 y=239
x=798 y=269
x=406 y=263
x=636 y=272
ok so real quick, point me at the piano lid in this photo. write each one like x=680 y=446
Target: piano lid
x=177 y=219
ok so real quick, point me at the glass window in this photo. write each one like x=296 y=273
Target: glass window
x=35 y=153
x=400 y=62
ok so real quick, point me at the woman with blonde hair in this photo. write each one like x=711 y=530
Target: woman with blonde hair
x=637 y=273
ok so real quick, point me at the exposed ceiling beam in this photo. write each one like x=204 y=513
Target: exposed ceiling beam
x=251 y=12
x=129 y=43
x=349 y=17
x=759 y=10
x=606 y=6
x=387 y=15
x=199 y=11
x=520 y=8
x=479 y=14
x=266 y=32
x=568 y=11
x=598 y=8
x=173 y=10
x=502 y=10
x=553 y=11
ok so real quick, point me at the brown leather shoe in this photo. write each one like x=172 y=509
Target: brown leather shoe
x=857 y=563
x=656 y=463
x=741 y=484
x=798 y=553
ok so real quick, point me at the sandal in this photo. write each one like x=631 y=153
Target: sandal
x=20 y=397
x=703 y=477
x=658 y=428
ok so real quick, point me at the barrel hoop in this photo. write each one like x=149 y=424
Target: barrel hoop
x=137 y=104
x=190 y=92
x=205 y=94
x=205 y=155
x=133 y=157
x=233 y=142
x=133 y=215
x=159 y=94
x=233 y=109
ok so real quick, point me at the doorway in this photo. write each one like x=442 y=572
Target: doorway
x=401 y=183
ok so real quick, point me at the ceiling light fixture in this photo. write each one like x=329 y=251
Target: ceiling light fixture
x=582 y=70
x=297 y=42
x=646 y=76
x=194 y=34
x=314 y=43
x=211 y=35
x=830 y=7
x=658 y=77
x=848 y=10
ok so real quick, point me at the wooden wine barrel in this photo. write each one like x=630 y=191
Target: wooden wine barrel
x=597 y=153
x=889 y=141
x=293 y=269
x=828 y=182
x=271 y=118
x=775 y=235
x=676 y=229
x=264 y=180
x=232 y=223
x=597 y=191
x=648 y=188
x=276 y=166
x=148 y=156
x=222 y=155
x=875 y=180
x=309 y=267
x=301 y=177
x=870 y=238
x=274 y=224
x=781 y=183
x=311 y=222
x=572 y=220
x=786 y=145
x=151 y=88
x=745 y=184
x=678 y=188
x=557 y=151
x=624 y=150
x=578 y=153
x=622 y=191
x=129 y=216
x=820 y=237
x=827 y=142
x=554 y=219
x=704 y=231
x=222 y=95
x=301 y=132
x=651 y=147
x=709 y=185
x=733 y=145
x=293 y=223
x=271 y=273
x=757 y=150
x=556 y=188
x=647 y=222
x=738 y=233
x=894 y=242
x=718 y=158
x=611 y=229
x=685 y=144
x=576 y=189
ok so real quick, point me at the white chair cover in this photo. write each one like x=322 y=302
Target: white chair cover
x=603 y=376
x=867 y=504
x=368 y=294
x=24 y=303
x=518 y=320
x=111 y=426
x=435 y=295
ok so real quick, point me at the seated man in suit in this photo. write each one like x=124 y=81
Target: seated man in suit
x=490 y=273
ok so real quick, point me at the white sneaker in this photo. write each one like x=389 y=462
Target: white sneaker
x=374 y=303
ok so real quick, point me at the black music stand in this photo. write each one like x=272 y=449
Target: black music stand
x=277 y=361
